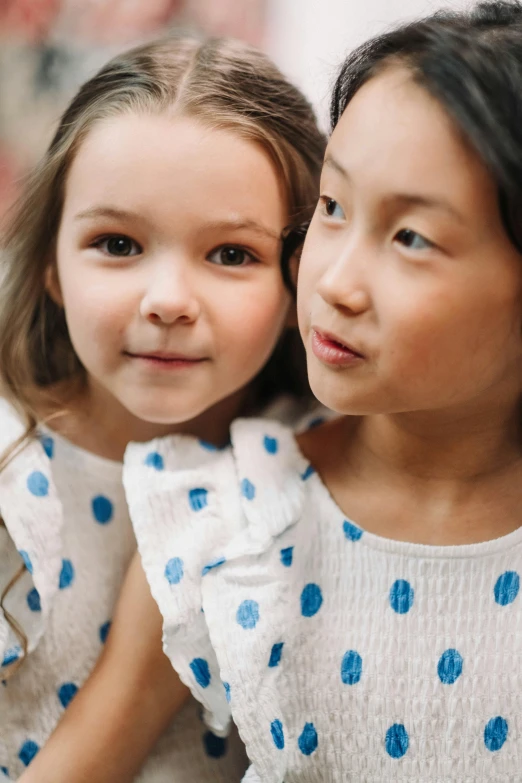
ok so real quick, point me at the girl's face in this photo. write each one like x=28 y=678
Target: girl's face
x=409 y=294
x=168 y=264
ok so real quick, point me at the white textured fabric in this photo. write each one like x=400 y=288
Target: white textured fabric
x=251 y=775
x=342 y=656
x=65 y=513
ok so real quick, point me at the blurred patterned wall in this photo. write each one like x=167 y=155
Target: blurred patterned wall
x=48 y=47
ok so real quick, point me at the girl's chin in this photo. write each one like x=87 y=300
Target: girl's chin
x=156 y=410
x=164 y=418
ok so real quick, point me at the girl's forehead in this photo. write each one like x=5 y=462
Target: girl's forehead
x=395 y=138
x=158 y=162
x=389 y=112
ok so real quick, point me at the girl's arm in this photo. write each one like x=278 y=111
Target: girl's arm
x=129 y=700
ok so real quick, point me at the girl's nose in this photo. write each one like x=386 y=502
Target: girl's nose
x=170 y=297
x=344 y=285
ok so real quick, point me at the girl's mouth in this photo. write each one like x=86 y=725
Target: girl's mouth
x=163 y=360
x=331 y=351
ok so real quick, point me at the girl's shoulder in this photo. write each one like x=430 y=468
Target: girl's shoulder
x=11 y=425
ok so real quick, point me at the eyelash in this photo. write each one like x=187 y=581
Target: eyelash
x=99 y=242
x=108 y=237
x=409 y=231
x=237 y=248
x=326 y=201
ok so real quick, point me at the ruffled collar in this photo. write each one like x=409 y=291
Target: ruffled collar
x=33 y=516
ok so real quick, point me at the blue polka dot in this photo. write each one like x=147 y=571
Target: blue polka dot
x=66 y=574
x=38 y=484
x=27 y=560
x=248 y=614
x=27 y=752
x=247 y=489
x=215 y=746
x=351 y=667
x=316 y=422
x=287 y=555
x=208 y=446
x=154 y=460
x=351 y=531
x=11 y=655
x=308 y=742
x=174 y=570
x=311 y=600
x=104 y=631
x=33 y=600
x=198 y=498
x=450 y=666
x=271 y=445
x=66 y=693
x=507 y=587
x=495 y=733
x=275 y=654
x=397 y=741
x=217 y=561
x=309 y=471
x=5 y=771
x=226 y=686
x=48 y=445
x=102 y=509
x=201 y=672
x=278 y=736
x=401 y=596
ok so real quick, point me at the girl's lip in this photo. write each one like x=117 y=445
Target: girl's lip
x=329 y=350
x=159 y=358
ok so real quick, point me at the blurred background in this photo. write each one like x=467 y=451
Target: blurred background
x=48 y=47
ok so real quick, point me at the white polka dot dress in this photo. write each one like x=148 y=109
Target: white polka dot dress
x=341 y=656
x=67 y=519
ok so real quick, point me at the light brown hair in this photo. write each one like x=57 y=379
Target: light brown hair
x=222 y=83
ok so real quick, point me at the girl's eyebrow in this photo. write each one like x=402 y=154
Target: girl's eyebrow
x=108 y=212
x=230 y=224
x=334 y=164
x=404 y=199
x=427 y=202
x=238 y=224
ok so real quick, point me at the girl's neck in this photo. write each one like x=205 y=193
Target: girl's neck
x=426 y=478
x=104 y=427
x=443 y=448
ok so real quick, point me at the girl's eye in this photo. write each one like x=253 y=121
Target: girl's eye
x=331 y=207
x=412 y=240
x=118 y=245
x=230 y=256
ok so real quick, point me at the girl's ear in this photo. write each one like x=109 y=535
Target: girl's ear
x=52 y=284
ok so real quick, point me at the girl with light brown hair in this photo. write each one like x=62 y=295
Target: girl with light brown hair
x=144 y=292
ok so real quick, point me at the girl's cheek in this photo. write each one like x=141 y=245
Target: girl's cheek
x=264 y=325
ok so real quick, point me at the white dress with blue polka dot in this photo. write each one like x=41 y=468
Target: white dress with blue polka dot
x=66 y=518
x=341 y=656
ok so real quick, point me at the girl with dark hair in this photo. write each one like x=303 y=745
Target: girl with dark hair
x=352 y=597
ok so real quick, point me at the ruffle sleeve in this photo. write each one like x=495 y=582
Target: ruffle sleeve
x=184 y=515
x=194 y=509
x=30 y=537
